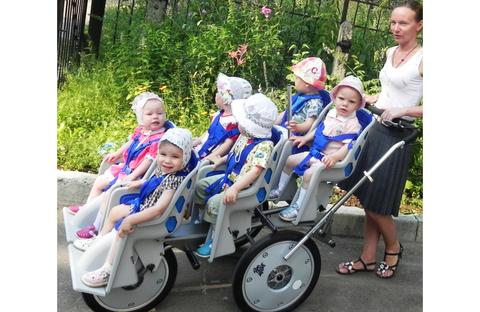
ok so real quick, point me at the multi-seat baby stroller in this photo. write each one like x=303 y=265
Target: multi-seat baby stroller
x=276 y=273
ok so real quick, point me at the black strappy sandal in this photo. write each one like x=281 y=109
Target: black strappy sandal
x=349 y=266
x=383 y=267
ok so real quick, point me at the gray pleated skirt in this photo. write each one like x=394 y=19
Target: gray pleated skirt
x=384 y=194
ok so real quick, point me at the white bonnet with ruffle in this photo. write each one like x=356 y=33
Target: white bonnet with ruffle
x=139 y=102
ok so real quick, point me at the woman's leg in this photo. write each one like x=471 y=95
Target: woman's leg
x=371 y=239
x=377 y=226
x=387 y=229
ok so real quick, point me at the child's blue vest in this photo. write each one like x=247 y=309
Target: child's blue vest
x=134 y=151
x=234 y=165
x=299 y=100
x=319 y=144
x=216 y=135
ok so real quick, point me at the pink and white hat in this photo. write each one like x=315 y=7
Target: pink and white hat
x=139 y=102
x=233 y=88
x=312 y=70
x=352 y=82
x=182 y=138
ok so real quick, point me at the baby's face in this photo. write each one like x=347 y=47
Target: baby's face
x=153 y=116
x=169 y=158
x=347 y=101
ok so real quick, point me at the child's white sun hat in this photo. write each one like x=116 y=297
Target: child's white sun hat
x=233 y=88
x=256 y=115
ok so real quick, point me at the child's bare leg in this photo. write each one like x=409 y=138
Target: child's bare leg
x=293 y=161
x=116 y=214
x=113 y=249
x=103 y=204
x=99 y=185
x=101 y=211
x=307 y=176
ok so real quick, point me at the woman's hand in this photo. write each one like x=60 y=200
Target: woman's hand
x=370 y=98
x=392 y=113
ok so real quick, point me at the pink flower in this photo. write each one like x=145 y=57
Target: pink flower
x=242 y=49
x=265 y=11
x=240 y=61
x=233 y=54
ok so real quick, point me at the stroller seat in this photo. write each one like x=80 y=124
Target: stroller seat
x=321 y=185
x=86 y=216
x=143 y=246
x=234 y=220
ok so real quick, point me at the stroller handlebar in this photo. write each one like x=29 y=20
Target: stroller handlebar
x=397 y=122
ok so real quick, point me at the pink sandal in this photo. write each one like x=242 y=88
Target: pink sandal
x=89 y=232
x=73 y=209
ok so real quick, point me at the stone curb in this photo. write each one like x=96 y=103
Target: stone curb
x=73 y=188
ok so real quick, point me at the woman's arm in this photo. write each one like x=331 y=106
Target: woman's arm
x=392 y=113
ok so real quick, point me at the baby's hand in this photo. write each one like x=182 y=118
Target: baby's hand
x=135 y=184
x=196 y=143
x=112 y=157
x=125 y=228
x=217 y=161
x=292 y=125
x=297 y=140
x=128 y=178
x=210 y=157
x=329 y=161
x=230 y=196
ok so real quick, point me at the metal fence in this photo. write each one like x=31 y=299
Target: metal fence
x=71 y=16
x=366 y=16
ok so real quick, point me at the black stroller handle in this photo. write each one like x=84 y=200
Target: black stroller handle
x=397 y=122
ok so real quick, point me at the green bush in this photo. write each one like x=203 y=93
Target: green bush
x=180 y=57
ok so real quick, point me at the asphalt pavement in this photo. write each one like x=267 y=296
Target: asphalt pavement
x=209 y=289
